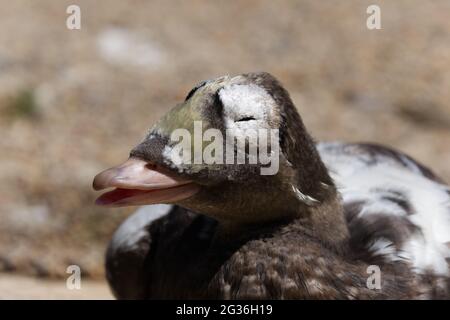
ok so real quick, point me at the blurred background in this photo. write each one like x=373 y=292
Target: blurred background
x=73 y=102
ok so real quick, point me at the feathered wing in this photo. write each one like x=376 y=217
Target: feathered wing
x=145 y=249
x=128 y=251
x=396 y=208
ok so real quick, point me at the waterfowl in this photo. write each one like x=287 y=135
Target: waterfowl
x=310 y=231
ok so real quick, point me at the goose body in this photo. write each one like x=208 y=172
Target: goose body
x=312 y=231
x=396 y=209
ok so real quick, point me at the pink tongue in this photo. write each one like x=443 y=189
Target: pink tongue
x=117 y=195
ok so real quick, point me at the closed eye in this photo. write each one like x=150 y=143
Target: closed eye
x=245 y=119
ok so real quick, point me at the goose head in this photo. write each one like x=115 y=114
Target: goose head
x=209 y=123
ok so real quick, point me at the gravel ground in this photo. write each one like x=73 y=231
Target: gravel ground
x=23 y=287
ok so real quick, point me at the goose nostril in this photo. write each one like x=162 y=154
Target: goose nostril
x=151 y=166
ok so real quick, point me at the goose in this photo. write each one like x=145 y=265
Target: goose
x=336 y=221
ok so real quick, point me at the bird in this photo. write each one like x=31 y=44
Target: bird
x=336 y=221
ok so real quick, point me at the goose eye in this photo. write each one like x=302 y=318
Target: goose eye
x=245 y=119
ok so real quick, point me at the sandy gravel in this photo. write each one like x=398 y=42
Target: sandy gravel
x=23 y=287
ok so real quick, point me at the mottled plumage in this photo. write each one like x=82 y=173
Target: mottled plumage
x=396 y=208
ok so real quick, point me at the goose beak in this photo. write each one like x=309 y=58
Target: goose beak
x=137 y=182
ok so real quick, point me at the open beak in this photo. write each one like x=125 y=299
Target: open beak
x=137 y=182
